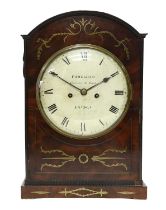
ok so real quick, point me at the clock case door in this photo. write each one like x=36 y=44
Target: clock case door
x=107 y=166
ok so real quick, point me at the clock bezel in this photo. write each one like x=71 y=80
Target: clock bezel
x=52 y=125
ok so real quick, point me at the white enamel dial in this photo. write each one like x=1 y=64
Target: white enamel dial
x=83 y=91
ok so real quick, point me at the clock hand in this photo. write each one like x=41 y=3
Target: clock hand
x=54 y=74
x=106 y=79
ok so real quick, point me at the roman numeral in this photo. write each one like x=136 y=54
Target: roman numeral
x=101 y=122
x=49 y=91
x=52 y=108
x=101 y=61
x=114 y=74
x=66 y=60
x=119 y=92
x=114 y=109
x=65 y=121
x=83 y=127
x=84 y=56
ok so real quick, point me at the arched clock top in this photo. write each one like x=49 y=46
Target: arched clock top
x=83 y=27
x=94 y=14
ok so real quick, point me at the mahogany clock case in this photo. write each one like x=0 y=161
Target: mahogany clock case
x=107 y=166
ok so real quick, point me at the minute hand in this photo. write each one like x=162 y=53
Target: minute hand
x=105 y=80
x=54 y=74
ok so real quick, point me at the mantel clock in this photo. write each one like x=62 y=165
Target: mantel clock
x=83 y=108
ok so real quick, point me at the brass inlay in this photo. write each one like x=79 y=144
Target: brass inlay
x=40 y=192
x=75 y=28
x=62 y=159
x=83 y=158
x=83 y=192
x=114 y=165
x=126 y=193
x=104 y=158
x=115 y=150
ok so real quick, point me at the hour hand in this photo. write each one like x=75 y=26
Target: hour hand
x=56 y=75
x=105 y=80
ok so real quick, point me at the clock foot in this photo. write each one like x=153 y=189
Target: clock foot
x=84 y=191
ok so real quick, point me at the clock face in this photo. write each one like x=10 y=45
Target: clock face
x=83 y=91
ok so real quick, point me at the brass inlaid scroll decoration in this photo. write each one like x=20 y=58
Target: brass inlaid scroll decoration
x=60 y=158
x=89 y=28
x=83 y=192
x=106 y=159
